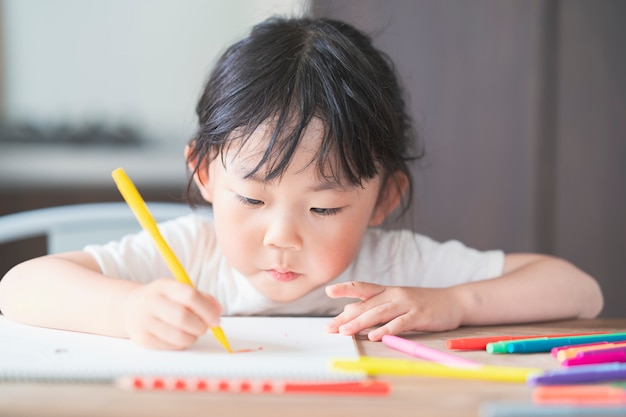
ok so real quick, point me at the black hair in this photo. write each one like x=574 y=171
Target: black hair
x=290 y=70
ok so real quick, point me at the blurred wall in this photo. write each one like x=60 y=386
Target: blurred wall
x=140 y=63
x=522 y=106
x=89 y=86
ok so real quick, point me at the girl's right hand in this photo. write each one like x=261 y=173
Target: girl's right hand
x=167 y=314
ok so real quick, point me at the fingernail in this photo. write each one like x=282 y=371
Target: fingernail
x=345 y=329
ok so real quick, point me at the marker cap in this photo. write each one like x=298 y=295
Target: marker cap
x=497 y=347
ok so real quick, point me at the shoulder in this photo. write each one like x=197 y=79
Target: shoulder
x=136 y=257
x=381 y=240
x=408 y=257
x=192 y=237
x=191 y=226
x=203 y=218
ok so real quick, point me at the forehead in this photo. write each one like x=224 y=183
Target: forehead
x=260 y=153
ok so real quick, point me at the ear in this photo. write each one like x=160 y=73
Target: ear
x=390 y=197
x=201 y=176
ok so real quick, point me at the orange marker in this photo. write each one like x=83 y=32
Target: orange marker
x=586 y=394
x=571 y=352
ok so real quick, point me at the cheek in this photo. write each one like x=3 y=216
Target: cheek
x=342 y=241
x=335 y=252
x=234 y=237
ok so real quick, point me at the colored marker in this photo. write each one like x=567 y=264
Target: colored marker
x=526 y=409
x=407 y=367
x=596 y=357
x=424 y=352
x=147 y=222
x=204 y=385
x=592 y=394
x=545 y=344
x=480 y=343
x=554 y=351
x=573 y=351
x=581 y=375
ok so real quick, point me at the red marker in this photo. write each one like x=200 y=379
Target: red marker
x=480 y=343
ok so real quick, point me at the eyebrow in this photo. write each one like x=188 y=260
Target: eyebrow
x=323 y=185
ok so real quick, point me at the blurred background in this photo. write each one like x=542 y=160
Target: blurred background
x=521 y=106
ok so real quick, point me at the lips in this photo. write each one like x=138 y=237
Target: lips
x=283 y=276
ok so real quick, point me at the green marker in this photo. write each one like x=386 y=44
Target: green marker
x=545 y=344
x=501 y=347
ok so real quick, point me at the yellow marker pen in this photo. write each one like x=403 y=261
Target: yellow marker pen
x=147 y=222
x=406 y=367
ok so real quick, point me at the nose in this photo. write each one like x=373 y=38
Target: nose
x=282 y=232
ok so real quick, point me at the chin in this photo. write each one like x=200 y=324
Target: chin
x=280 y=294
x=283 y=292
x=283 y=298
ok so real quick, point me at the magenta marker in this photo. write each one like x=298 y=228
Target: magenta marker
x=555 y=351
x=597 y=357
x=424 y=352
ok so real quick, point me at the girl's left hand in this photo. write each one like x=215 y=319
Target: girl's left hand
x=400 y=308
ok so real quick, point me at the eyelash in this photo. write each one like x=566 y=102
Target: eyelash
x=249 y=201
x=327 y=211
x=319 y=211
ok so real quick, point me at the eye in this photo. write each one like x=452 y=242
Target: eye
x=249 y=201
x=326 y=211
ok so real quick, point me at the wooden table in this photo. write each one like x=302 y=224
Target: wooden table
x=411 y=396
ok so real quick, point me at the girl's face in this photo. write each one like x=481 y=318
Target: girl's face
x=294 y=233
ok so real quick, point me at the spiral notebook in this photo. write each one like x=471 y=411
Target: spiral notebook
x=273 y=348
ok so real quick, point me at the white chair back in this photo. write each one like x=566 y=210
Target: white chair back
x=71 y=227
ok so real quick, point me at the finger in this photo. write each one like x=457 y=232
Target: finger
x=396 y=326
x=370 y=317
x=171 y=337
x=354 y=289
x=178 y=316
x=212 y=311
x=161 y=335
x=205 y=307
x=412 y=321
x=350 y=312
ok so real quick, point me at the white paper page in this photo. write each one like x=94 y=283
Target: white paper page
x=280 y=348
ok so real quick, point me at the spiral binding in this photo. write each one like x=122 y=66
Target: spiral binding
x=260 y=386
x=202 y=384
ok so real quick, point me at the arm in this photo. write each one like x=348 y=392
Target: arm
x=532 y=288
x=68 y=291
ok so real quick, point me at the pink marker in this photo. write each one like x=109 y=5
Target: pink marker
x=597 y=357
x=424 y=352
x=555 y=351
x=572 y=351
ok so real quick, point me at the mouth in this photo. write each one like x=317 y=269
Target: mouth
x=283 y=276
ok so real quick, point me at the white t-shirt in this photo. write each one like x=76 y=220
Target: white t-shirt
x=390 y=258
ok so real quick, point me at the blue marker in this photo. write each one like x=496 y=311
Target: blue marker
x=545 y=344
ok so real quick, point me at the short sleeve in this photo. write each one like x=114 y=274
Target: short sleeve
x=401 y=257
x=136 y=258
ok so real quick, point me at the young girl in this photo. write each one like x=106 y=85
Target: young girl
x=302 y=147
